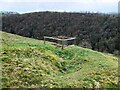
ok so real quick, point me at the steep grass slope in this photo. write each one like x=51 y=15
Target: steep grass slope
x=28 y=62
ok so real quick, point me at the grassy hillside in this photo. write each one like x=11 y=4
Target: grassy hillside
x=28 y=62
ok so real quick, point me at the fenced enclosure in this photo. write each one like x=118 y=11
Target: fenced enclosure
x=62 y=41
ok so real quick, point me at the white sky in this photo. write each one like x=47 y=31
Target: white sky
x=59 y=0
x=22 y=6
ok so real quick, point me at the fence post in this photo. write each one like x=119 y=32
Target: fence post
x=44 y=40
x=62 y=44
x=74 y=41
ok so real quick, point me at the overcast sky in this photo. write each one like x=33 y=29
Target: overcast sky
x=25 y=6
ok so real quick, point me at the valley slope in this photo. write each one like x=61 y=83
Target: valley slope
x=92 y=30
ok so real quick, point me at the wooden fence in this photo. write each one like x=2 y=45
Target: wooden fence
x=63 y=40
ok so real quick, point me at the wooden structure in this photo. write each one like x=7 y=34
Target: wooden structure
x=63 y=40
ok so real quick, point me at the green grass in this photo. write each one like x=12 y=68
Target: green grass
x=28 y=62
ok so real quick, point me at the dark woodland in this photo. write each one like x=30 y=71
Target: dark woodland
x=93 y=30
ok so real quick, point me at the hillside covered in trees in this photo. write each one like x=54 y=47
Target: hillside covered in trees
x=96 y=31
